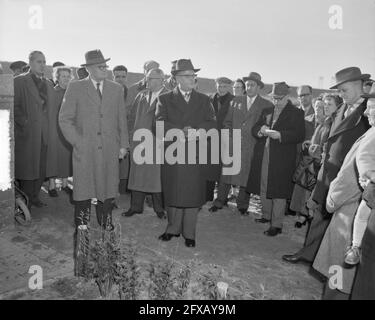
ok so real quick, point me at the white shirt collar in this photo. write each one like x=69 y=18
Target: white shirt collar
x=154 y=95
x=95 y=84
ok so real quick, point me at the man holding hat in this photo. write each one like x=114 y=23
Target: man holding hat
x=278 y=131
x=184 y=185
x=17 y=67
x=242 y=114
x=220 y=101
x=145 y=178
x=93 y=120
x=348 y=125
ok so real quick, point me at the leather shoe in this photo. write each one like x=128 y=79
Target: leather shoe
x=214 y=209
x=130 y=213
x=190 y=243
x=53 y=193
x=161 y=215
x=168 y=236
x=271 y=232
x=262 y=220
x=244 y=212
x=37 y=203
x=291 y=258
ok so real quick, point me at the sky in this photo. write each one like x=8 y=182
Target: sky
x=291 y=40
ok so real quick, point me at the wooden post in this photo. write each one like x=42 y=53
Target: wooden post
x=7 y=200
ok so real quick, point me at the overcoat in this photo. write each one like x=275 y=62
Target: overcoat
x=145 y=177
x=59 y=153
x=343 y=134
x=31 y=122
x=97 y=129
x=239 y=117
x=282 y=154
x=184 y=185
x=343 y=199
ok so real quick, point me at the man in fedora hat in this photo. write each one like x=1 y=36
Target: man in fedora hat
x=220 y=101
x=93 y=120
x=242 y=114
x=348 y=125
x=278 y=131
x=184 y=185
x=17 y=67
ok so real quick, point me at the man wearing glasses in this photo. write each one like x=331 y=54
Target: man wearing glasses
x=93 y=120
x=184 y=185
x=278 y=131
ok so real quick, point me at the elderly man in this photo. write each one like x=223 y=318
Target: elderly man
x=145 y=178
x=184 y=184
x=33 y=99
x=17 y=67
x=220 y=101
x=242 y=115
x=343 y=201
x=93 y=120
x=278 y=130
x=348 y=125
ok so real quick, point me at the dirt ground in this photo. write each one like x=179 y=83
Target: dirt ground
x=250 y=262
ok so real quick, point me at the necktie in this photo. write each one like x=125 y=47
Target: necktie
x=348 y=110
x=98 y=89
x=187 y=96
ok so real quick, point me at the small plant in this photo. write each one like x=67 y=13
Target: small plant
x=207 y=288
x=128 y=275
x=161 y=280
x=181 y=282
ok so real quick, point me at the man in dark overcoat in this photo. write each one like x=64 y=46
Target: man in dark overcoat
x=278 y=131
x=348 y=125
x=184 y=184
x=220 y=101
x=33 y=96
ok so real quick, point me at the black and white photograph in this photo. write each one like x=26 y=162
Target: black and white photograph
x=166 y=152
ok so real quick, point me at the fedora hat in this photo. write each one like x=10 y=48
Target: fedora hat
x=280 y=89
x=183 y=65
x=349 y=74
x=94 y=57
x=371 y=94
x=254 y=76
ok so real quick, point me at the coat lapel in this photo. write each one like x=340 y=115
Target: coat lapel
x=349 y=122
x=32 y=87
x=152 y=107
x=282 y=116
x=179 y=100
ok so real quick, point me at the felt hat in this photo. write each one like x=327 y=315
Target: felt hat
x=348 y=75
x=94 y=57
x=254 y=76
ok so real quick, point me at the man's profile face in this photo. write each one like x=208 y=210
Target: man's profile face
x=350 y=91
x=38 y=63
x=120 y=77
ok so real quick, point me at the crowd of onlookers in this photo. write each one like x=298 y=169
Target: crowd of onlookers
x=314 y=159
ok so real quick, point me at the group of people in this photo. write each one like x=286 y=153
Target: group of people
x=315 y=158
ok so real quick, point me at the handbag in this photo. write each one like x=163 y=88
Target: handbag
x=306 y=172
